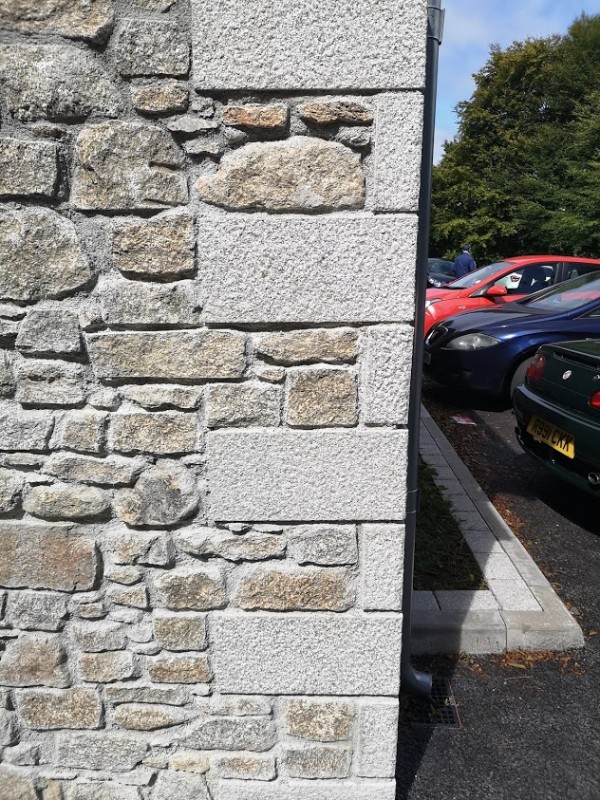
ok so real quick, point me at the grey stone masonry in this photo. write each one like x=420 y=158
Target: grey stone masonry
x=208 y=232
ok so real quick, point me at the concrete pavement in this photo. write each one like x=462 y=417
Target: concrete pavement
x=519 y=609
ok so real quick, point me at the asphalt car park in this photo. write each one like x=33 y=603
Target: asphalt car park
x=529 y=722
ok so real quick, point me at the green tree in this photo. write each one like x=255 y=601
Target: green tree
x=523 y=175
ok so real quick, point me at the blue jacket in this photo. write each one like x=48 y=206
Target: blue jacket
x=463 y=264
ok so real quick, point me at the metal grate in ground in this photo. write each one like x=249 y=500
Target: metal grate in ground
x=439 y=710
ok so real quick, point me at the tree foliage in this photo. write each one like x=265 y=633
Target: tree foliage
x=523 y=175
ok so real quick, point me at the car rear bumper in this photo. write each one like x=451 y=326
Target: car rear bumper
x=586 y=432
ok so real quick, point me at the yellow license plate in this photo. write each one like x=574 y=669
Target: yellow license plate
x=552 y=436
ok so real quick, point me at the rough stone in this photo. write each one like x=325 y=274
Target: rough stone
x=246 y=404
x=100 y=636
x=51 y=710
x=180 y=786
x=11 y=483
x=112 y=752
x=63 y=501
x=336 y=112
x=180 y=669
x=213 y=542
x=263 y=268
x=256 y=734
x=158 y=398
x=160 y=97
x=200 y=590
x=28 y=168
x=191 y=125
x=150 y=549
x=81 y=430
x=55 y=82
x=292 y=654
x=319 y=398
x=7 y=380
x=290 y=348
x=127 y=166
x=69 y=563
x=169 y=355
x=297 y=174
x=162 y=433
x=189 y=761
x=134 y=596
x=140 y=717
x=205 y=147
x=336 y=49
x=132 y=303
x=15 y=786
x=239 y=706
x=152 y=47
x=101 y=790
x=280 y=475
x=164 y=495
x=23 y=755
x=295 y=589
x=72 y=18
x=49 y=331
x=246 y=767
x=180 y=632
x=144 y=694
x=35 y=660
x=110 y=471
x=9 y=733
x=106 y=667
x=255 y=116
x=398 y=149
x=25 y=430
x=385 y=374
x=40 y=255
x=156 y=5
x=358 y=138
x=327 y=545
x=161 y=248
x=42 y=611
x=50 y=383
x=382 y=567
x=318 y=720
x=317 y=762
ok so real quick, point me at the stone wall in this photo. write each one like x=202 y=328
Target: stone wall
x=208 y=228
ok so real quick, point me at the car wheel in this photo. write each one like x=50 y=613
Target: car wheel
x=518 y=375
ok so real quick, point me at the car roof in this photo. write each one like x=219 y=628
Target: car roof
x=546 y=258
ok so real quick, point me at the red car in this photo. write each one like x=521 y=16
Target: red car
x=502 y=282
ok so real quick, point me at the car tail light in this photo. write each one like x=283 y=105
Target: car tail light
x=595 y=400
x=536 y=368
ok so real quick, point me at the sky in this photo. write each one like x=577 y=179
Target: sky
x=472 y=26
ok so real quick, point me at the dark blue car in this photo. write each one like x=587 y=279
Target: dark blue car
x=488 y=351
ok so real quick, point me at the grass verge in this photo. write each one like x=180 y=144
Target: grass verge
x=443 y=559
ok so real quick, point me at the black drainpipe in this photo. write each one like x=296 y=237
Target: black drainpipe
x=412 y=680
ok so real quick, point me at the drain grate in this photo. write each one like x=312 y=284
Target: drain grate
x=439 y=710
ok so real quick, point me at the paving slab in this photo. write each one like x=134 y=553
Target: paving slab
x=519 y=609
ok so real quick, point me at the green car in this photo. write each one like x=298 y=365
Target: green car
x=558 y=411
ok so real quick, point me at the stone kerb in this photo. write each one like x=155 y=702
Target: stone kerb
x=208 y=221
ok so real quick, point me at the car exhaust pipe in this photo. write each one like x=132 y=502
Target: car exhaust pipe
x=594 y=478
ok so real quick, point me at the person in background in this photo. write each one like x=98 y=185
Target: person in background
x=465 y=262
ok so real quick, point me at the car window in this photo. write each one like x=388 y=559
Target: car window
x=478 y=276
x=566 y=296
x=573 y=269
x=527 y=280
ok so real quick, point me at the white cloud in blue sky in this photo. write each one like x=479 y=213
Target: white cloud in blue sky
x=472 y=26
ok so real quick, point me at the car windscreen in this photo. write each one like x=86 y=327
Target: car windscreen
x=478 y=276
x=565 y=296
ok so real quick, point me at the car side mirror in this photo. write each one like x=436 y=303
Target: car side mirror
x=496 y=291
